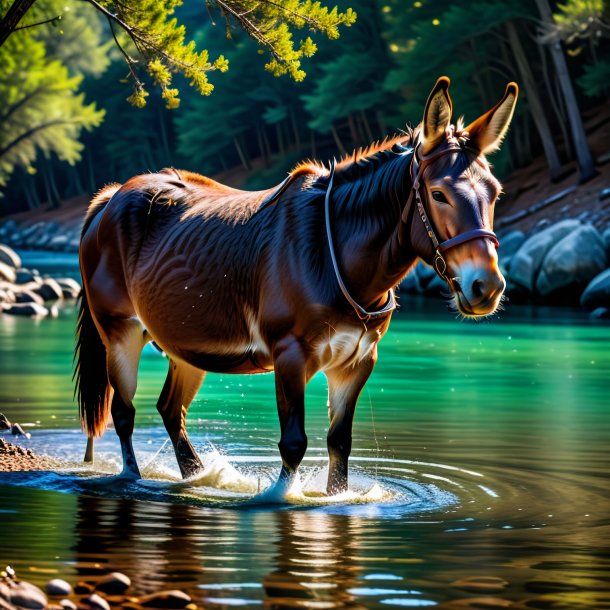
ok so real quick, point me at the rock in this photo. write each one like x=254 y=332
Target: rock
x=25 y=595
x=526 y=263
x=166 y=599
x=424 y=273
x=509 y=244
x=17 y=430
x=437 y=287
x=7 y=273
x=5 y=424
x=49 y=290
x=23 y=276
x=600 y=313
x=67 y=604
x=70 y=288
x=9 y=257
x=113 y=584
x=410 y=284
x=32 y=310
x=58 y=242
x=83 y=588
x=597 y=293
x=28 y=296
x=6 y=296
x=57 y=586
x=606 y=238
x=95 y=602
x=571 y=264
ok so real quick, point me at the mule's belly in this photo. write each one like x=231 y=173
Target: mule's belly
x=248 y=363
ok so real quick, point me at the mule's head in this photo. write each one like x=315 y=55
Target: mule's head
x=459 y=191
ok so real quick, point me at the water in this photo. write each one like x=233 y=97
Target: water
x=479 y=476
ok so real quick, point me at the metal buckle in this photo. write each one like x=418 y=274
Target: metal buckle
x=440 y=264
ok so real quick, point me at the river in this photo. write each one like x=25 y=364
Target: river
x=479 y=477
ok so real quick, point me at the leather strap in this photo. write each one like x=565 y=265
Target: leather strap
x=362 y=313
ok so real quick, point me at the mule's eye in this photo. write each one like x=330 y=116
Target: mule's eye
x=439 y=196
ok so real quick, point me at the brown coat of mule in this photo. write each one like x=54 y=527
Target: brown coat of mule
x=221 y=285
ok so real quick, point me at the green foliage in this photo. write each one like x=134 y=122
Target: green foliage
x=595 y=81
x=580 y=19
x=40 y=107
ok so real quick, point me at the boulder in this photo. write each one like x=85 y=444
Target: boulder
x=9 y=257
x=95 y=602
x=600 y=313
x=57 y=586
x=7 y=273
x=67 y=604
x=509 y=245
x=58 y=242
x=597 y=293
x=526 y=263
x=6 y=296
x=49 y=290
x=606 y=238
x=166 y=599
x=24 y=276
x=31 y=310
x=571 y=264
x=28 y=296
x=25 y=595
x=17 y=430
x=5 y=424
x=70 y=287
x=113 y=584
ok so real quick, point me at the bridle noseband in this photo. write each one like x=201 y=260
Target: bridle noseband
x=417 y=169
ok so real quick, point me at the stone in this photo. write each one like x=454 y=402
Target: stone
x=424 y=272
x=17 y=430
x=5 y=424
x=410 y=284
x=49 y=290
x=597 y=292
x=28 y=296
x=23 y=276
x=571 y=264
x=527 y=262
x=57 y=586
x=6 y=296
x=113 y=584
x=7 y=273
x=600 y=313
x=95 y=602
x=166 y=599
x=67 y=604
x=437 y=287
x=32 y=310
x=26 y=595
x=70 y=288
x=606 y=238
x=509 y=244
x=9 y=257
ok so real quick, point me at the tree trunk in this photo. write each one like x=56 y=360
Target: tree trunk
x=240 y=152
x=535 y=104
x=338 y=141
x=579 y=137
x=13 y=16
x=367 y=126
x=295 y=128
x=280 y=139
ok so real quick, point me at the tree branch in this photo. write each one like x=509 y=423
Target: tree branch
x=33 y=25
x=12 y=17
x=31 y=132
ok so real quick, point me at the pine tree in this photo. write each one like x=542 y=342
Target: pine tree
x=155 y=45
x=40 y=107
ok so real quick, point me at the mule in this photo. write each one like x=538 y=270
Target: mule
x=294 y=280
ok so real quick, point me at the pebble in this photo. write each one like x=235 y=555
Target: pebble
x=58 y=587
x=25 y=595
x=5 y=424
x=113 y=584
x=83 y=587
x=67 y=604
x=96 y=602
x=166 y=599
x=17 y=430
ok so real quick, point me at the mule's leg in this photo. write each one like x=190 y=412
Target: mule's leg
x=89 y=451
x=181 y=385
x=124 y=347
x=290 y=380
x=344 y=387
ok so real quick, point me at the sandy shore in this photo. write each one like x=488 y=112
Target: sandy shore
x=19 y=459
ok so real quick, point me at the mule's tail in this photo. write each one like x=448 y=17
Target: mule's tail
x=92 y=388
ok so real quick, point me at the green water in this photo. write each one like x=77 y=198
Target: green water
x=490 y=442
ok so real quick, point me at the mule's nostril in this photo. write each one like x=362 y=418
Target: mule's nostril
x=478 y=288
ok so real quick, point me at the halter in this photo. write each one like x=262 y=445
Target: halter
x=417 y=169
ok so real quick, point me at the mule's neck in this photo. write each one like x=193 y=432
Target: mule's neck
x=373 y=228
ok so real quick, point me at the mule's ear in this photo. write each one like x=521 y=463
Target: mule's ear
x=437 y=115
x=487 y=132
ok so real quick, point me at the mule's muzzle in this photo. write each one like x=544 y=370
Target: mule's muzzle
x=478 y=293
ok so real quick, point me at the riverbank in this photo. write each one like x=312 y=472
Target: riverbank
x=19 y=459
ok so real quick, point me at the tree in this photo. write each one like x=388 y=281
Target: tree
x=40 y=107
x=155 y=47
